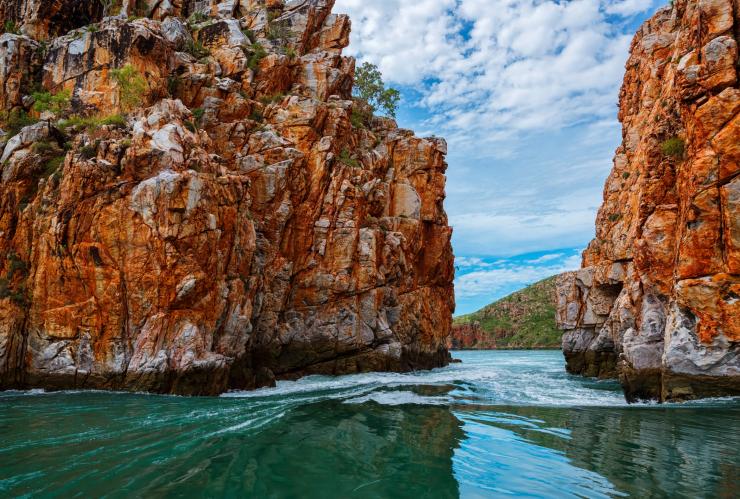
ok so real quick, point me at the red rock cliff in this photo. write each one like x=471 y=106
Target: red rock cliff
x=657 y=302
x=242 y=221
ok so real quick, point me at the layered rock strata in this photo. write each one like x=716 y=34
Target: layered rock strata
x=657 y=302
x=244 y=221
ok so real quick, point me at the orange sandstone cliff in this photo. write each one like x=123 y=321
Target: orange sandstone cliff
x=222 y=217
x=657 y=302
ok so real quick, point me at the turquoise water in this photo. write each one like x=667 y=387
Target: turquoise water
x=499 y=424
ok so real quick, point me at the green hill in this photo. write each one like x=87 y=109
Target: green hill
x=525 y=319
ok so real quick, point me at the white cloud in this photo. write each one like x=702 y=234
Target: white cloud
x=546 y=258
x=466 y=262
x=488 y=282
x=535 y=212
x=628 y=7
x=488 y=69
x=525 y=93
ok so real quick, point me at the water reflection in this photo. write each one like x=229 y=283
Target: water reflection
x=358 y=450
x=500 y=424
x=656 y=451
x=115 y=445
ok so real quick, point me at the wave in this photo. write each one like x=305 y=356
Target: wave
x=506 y=378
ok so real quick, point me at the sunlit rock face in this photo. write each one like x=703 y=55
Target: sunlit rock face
x=657 y=301
x=234 y=228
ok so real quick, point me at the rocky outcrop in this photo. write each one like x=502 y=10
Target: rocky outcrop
x=469 y=335
x=524 y=319
x=657 y=301
x=222 y=215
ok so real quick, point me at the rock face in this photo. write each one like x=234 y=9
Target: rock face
x=525 y=319
x=469 y=335
x=243 y=221
x=657 y=301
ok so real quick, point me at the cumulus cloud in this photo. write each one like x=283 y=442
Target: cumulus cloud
x=466 y=262
x=628 y=7
x=546 y=258
x=525 y=92
x=493 y=282
x=489 y=69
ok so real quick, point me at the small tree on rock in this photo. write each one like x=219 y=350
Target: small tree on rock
x=131 y=86
x=369 y=86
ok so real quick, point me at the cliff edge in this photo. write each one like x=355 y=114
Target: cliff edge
x=657 y=302
x=191 y=202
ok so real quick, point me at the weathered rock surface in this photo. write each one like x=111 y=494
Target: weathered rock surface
x=233 y=229
x=657 y=301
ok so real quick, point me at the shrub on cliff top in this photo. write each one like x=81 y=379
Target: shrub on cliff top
x=359 y=117
x=57 y=103
x=197 y=18
x=114 y=120
x=174 y=82
x=89 y=151
x=92 y=122
x=197 y=49
x=18 y=297
x=11 y=27
x=369 y=86
x=198 y=113
x=131 y=86
x=257 y=53
x=251 y=36
x=271 y=99
x=53 y=165
x=347 y=159
x=43 y=147
x=673 y=147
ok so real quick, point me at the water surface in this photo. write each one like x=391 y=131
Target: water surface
x=509 y=423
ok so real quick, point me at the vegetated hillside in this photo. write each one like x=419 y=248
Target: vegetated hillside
x=525 y=319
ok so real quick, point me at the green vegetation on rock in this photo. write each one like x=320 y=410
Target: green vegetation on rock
x=525 y=319
x=673 y=147
x=131 y=86
x=370 y=88
x=56 y=103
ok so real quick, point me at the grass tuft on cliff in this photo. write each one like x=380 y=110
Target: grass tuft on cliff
x=525 y=319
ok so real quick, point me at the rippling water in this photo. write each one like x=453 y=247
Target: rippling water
x=499 y=424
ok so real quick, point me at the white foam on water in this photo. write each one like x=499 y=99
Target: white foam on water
x=511 y=378
x=250 y=424
x=397 y=398
x=484 y=377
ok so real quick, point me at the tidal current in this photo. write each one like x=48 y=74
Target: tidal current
x=499 y=424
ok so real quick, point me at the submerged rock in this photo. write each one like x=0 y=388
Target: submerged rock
x=657 y=302
x=233 y=227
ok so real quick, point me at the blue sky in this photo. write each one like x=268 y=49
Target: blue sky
x=525 y=92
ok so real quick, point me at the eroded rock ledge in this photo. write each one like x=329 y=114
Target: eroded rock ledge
x=657 y=302
x=246 y=221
